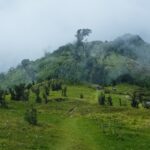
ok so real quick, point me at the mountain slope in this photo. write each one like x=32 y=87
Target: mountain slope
x=98 y=62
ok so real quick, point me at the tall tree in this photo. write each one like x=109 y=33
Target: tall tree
x=81 y=34
x=28 y=68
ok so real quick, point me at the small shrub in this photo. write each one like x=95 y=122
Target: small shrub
x=120 y=102
x=19 y=92
x=56 y=85
x=47 y=91
x=45 y=98
x=110 y=103
x=31 y=115
x=26 y=95
x=134 y=101
x=64 y=91
x=101 y=99
x=38 y=99
x=29 y=86
x=81 y=96
x=3 y=103
x=37 y=93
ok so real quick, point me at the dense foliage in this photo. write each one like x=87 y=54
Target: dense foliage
x=125 y=59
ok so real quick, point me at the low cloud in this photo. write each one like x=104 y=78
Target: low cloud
x=28 y=27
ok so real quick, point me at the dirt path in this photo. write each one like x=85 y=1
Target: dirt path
x=75 y=136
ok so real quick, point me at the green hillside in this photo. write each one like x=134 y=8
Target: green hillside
x=126 y=58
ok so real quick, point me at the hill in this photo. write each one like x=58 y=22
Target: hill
x=126 y=59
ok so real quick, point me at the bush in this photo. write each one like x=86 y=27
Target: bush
x=110 y=103
x=81 y=96
x=37 y=93
x=120 y=102
x=64 y=91
x=31 y=115
x=101 y=99
x=12 y=93
x=56 y=85
x=18 y=92
x=3 y=103
x=47 y=92
x=26 y=95
x=134 y=101
x=29 y=86
x=38 y=99
x=45 y=97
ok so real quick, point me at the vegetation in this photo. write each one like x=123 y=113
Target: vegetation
x=64 y=91
x=76 y=123
x=110 y=103
x=3 y=103
x=101 y=99
x=31 y=115
x=95 y=62
x=86 y=95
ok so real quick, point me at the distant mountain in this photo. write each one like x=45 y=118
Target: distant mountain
x=127 y=58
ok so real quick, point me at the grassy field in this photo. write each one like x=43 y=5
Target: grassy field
x=77 y=124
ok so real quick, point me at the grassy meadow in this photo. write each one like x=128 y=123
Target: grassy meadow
x=76 y=123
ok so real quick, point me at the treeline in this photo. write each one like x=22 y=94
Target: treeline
x=138 y=97
x=23 y=92
x=127 y=78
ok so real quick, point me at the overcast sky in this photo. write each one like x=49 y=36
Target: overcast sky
x=29 y=27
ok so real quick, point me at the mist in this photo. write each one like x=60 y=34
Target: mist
x=28 y=28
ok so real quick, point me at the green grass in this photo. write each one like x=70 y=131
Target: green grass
x=76 y=124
